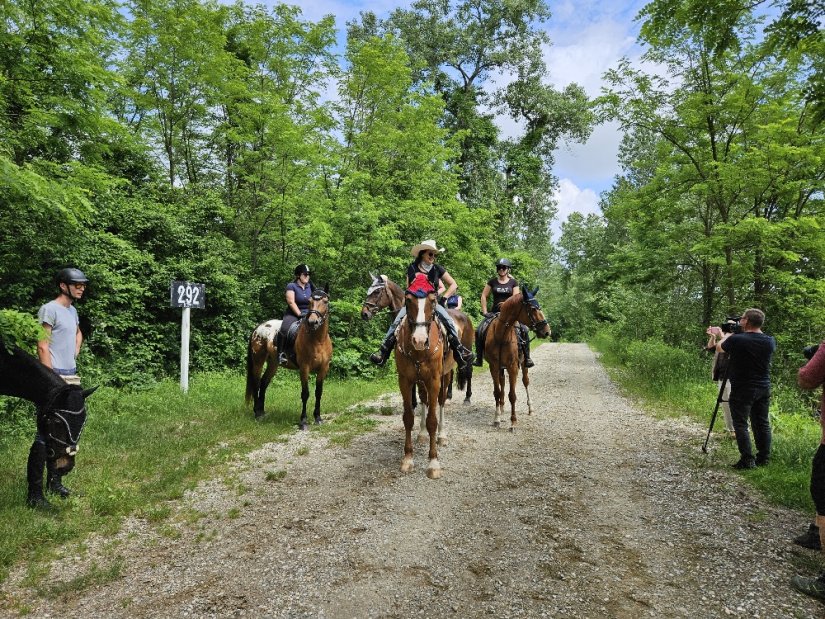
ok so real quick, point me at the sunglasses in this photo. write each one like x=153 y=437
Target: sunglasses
x=78 y=285
x=431 y=254
x=503 y=268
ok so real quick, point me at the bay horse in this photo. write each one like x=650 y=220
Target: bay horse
x=313 y=353
x=502 y=351
x=61 y=407
x=423 y=358
x=384 y=293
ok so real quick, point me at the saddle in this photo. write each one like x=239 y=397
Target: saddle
x=286 y=343
x=481 y=334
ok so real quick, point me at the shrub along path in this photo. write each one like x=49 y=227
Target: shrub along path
x=590 y=509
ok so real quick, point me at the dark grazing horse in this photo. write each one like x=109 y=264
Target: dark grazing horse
x=384 y=293
x=502 y=352
x=313 y=353
x=61 y=408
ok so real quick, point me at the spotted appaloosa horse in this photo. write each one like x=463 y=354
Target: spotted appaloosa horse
x=384 y=293
x=313 y=353
x=502 y=352
x=61 y=408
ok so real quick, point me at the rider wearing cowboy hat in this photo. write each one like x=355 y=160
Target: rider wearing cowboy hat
x=425 y=254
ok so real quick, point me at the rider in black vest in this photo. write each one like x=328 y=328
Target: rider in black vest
x=502 y=287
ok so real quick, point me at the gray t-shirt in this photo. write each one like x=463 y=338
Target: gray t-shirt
x=64 y=324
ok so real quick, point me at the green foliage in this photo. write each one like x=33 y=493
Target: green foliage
x=19 y=330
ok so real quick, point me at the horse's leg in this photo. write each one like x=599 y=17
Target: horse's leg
x=319 y=391
x=468 y=394
x=450 y=386
x=512 y=371
x=414 y=400
x=408 y=417
x=442 y=398
x=433 y=387
x=423 y=437
x=260 y=396
x=498 y=391
x=304 y=396
x=525 y=380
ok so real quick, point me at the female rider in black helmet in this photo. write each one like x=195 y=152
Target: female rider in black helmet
x=503 y=286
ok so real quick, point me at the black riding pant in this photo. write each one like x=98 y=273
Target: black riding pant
x=751 y=404
x=818 y=480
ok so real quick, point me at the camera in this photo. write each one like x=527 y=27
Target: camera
x=731 y=325
x=810 y=351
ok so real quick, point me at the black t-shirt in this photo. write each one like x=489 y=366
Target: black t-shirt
x=434 y=276
x=501 y=292
x=750 y=359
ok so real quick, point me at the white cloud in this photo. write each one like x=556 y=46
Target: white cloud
x=570 y=199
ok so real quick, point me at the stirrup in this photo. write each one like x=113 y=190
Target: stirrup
x=283 y=359
x=379 y=358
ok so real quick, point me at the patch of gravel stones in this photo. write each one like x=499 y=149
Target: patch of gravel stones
x=590 y=508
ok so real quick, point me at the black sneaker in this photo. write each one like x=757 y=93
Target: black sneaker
x=815 y=587
x=745 y=463
x=809 y=539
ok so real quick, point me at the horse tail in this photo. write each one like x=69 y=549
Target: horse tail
x=464 y=375
x=250 y=371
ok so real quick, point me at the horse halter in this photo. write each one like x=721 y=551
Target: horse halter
x=70 y=420
x=322 y=316
x=374 y=308
x=532 y=304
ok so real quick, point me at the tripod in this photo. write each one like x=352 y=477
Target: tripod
x=716 y=410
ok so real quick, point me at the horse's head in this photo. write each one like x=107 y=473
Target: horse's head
x=377 y=297
x=531 y=310
x=420 y=309
x=60 y=422
x=318 y=308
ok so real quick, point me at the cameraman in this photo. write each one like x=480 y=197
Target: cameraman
x=750 y=394
x=810 y=376
x=719 y=371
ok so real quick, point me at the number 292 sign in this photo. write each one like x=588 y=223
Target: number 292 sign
x=187 y=294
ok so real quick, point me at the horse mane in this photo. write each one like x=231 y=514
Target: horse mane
x=23 y=376
x=512 y=301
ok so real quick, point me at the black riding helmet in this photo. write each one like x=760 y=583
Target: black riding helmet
x=503 y=262
x=70 y=275
x=300 y=269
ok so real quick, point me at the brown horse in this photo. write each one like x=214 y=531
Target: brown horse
x=313 y=352
x=422 y=358
x=384 y=293
x=502 y=351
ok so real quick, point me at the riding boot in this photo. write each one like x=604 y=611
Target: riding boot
x=524 y=342
x=53 y=482
x=463 y=356
x=34 y=476
x=528 y=362
x=380 y=358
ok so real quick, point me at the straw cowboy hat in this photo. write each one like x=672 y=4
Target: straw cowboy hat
x=429 y=244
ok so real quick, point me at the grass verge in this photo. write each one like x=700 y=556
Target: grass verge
x=142 y=448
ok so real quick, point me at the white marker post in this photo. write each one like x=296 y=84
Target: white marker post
x=186 y=295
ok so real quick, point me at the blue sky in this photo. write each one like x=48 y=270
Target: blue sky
x=588 y=37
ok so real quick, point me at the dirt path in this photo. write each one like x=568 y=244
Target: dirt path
x=591 y=509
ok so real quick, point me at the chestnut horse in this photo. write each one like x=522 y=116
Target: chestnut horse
x=313 y=352
x=502 y=351
x=385 y=293
x=423 y=358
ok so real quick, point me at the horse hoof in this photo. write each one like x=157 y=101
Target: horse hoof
x=422 y=439
x=434 y=472
x=512 y=429
x=496 y=424
x=302 y=426
x=406 y=465
x=467 y=401
x=259 y=414
x=318 y=421
x=442 y=442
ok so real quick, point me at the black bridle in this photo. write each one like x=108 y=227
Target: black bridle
x=74 y=436
x=322 y=316
x=532 y=307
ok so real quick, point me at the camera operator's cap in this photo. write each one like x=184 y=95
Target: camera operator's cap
x=428 y=245
x=733 y=319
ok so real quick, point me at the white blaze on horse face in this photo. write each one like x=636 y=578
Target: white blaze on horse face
x=419 y=337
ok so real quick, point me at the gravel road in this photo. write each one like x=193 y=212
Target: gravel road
x=590 y=509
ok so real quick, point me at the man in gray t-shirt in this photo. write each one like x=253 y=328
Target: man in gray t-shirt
x=58 y=352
